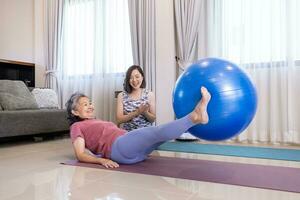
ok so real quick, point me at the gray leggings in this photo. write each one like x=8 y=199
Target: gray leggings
x=135 y=145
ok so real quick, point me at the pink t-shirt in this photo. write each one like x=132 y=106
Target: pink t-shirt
x=98 y=135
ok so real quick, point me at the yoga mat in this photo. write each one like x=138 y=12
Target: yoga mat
x=229 y=150
x=250 y=175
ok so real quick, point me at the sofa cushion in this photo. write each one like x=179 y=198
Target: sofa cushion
x=45 y=98
x=14 y=95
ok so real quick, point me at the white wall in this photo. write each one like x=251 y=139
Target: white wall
x=17 y=30
x=21 y=28
x=165 y=60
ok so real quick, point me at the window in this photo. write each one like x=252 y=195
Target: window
x=259 y=31
x=96 y=37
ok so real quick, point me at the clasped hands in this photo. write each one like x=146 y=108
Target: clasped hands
x=143 y=109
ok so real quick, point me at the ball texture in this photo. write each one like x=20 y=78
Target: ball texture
x=233 y=98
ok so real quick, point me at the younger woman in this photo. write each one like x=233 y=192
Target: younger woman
x=135 y=105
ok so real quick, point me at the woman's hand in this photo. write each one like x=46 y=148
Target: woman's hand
x=143 y=108
x=109 y=163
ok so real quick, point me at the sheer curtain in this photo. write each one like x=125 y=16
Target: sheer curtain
x=262 y=36
x=96 y=51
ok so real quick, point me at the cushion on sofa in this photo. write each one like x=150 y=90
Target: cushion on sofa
x=14 y=95
x=45 y=97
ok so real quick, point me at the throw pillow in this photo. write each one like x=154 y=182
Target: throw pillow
x=13 y=102
x=14 y=95
x=45 y=98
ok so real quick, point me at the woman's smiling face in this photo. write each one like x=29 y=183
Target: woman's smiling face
x=136 y=79
x=84 y=109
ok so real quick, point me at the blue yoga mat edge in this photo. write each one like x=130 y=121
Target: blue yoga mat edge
x=232 y=150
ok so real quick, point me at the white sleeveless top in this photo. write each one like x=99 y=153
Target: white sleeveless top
x=130 y=105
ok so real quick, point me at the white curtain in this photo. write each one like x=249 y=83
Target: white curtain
x=142 y=25
x=262 y=36
x=52 y=39
x=96 y=51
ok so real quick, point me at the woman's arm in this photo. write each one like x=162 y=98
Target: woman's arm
x=121 y=118
x=150 y=113
x=82 y=156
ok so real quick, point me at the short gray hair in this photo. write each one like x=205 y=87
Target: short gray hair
x=71 y=105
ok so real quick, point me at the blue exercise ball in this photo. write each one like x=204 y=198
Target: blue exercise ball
x=233 y=98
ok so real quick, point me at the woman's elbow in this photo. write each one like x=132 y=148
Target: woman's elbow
x=79 y=156
x=153 y=119
x=118 y=120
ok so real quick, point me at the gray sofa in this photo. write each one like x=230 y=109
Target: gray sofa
x=21 y=115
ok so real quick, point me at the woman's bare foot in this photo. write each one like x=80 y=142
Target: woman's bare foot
x=199 y=114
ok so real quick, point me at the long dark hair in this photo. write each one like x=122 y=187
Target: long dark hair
x=126 y=84
x=71 y=105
